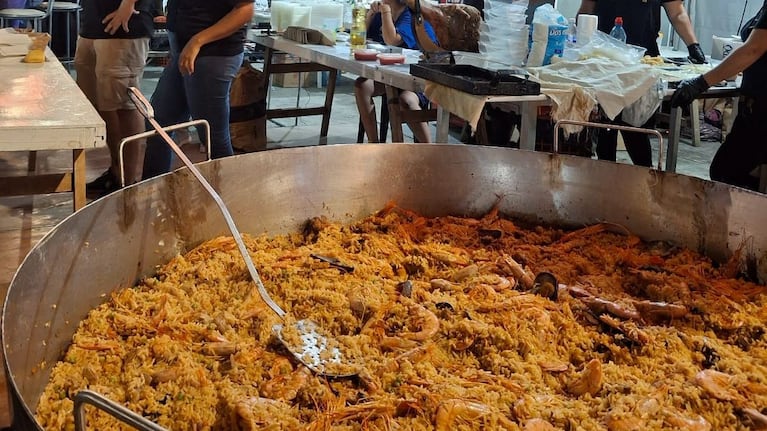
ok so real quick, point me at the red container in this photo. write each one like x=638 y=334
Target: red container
x=391 y=58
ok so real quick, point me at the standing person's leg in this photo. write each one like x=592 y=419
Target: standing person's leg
x=638 y=144
x=119 y=65
x=607 y=144
x=170 y=107
x=207 y=92
x=85 y=68
x=744 y=149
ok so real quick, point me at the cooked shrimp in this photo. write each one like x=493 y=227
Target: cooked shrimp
x=755 y=419
x=718 y=385
x=444 y=285
x=521 y=274
x=589 y=380
x=287 y=386
x=425 y=320
x=465 y=272
x=223 y=348
x=452 y=410
x=679 y=422
x=660 y=310
x=600 y=306
x=256 y=413
x=537 y=424
x=624 y=423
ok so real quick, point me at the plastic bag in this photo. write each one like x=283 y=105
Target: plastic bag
x=644 y=108
x=549 y=35
x=606 y=46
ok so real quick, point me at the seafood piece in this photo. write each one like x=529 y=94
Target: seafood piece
x=660 y=310
x=601 y=306
x=382 y=408
x=419 y=317
x=286 y=386
x=454 y=410
x=679 y=422
x=616 y=422
x=258 y=413
x=718 y=385
x=221 y=348
x=754 y=419
x=445 y=285
x=554 y=367
x=465 y=332
x=629 y=329
x=537 y=424
x=524 y=276
x=545 y=284
x=465 y=272
x=163 y=375
x=576 y=291
x=425 y=320
x=589 y=381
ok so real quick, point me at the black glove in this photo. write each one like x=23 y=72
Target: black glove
x=696 y=53
x=688 y=90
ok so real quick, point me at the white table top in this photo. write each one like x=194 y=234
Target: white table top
x=340 y=57
x=42 y=108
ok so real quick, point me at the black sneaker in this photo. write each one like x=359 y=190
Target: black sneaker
x=102 y=186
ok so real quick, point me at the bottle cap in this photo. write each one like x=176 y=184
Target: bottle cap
x=619 y=20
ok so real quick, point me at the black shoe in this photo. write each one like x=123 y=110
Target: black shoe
x=102 y=186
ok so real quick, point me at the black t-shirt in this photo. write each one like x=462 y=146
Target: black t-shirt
x=753 y=83
x=641 y=20
x=189 y=17
x=94 y=11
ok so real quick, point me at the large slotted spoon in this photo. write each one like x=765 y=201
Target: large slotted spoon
x=302 y=338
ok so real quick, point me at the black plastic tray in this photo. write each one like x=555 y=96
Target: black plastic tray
x=476 y=80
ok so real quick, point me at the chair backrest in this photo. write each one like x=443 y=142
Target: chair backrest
x=461 y=29
x=455 y=25
x=48 y=9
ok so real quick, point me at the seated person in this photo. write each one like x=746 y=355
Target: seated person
x=389 y=22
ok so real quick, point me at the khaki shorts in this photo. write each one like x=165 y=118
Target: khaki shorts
x=107 y=67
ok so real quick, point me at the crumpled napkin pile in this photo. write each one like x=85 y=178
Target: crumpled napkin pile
x=306 y=35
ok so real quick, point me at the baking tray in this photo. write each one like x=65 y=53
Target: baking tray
x=476 y=80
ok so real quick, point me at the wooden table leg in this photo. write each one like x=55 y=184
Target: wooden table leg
x=395 y=116
x=329 y=92
x=78 y=178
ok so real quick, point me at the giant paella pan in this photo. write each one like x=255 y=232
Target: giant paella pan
x=475 y=287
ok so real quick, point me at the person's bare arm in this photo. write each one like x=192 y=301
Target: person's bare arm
x=678 y=17
x=739 y=59
x=390 y=35
x=120 y=17
x=587 y=7
x=231 y=22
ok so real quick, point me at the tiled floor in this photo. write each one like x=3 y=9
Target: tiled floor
x=24 y=220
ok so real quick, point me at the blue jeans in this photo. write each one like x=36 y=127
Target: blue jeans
x=201 y=95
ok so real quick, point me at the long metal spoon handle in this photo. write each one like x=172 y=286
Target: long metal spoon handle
x=147 y=111
x=115 y=410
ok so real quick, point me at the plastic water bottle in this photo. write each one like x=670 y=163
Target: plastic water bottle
x=571 y=33
x=618 y=32
x=358 y=36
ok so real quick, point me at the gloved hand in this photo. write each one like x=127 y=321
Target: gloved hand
x=688 y=90
x=696 y=53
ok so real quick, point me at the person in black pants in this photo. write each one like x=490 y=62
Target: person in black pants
x=737 y=161
x=641 y=20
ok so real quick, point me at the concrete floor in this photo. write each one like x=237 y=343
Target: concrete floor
x=26 y=219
